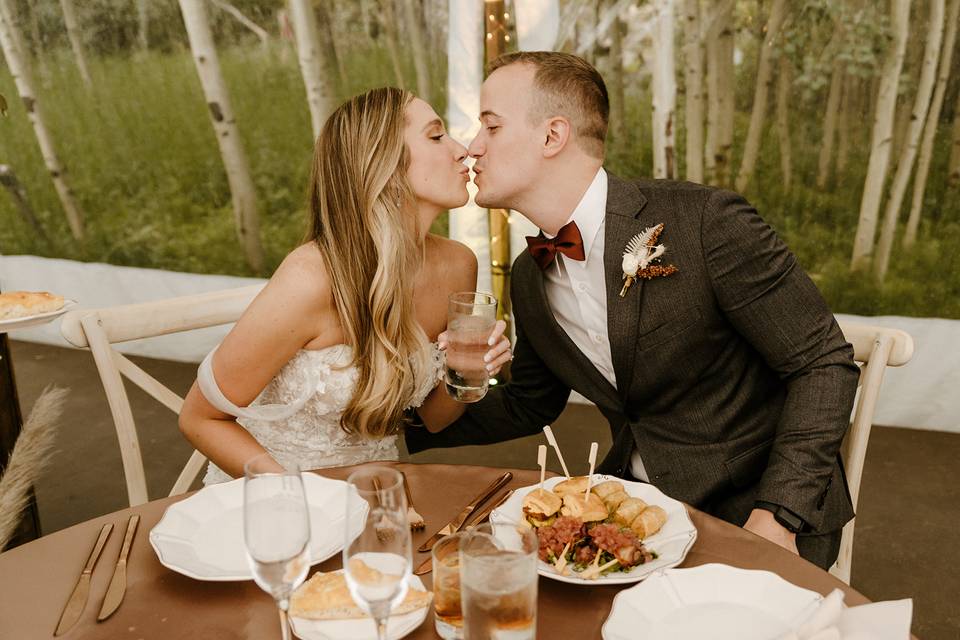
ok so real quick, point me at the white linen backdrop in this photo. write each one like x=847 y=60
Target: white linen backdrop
x=922 y=394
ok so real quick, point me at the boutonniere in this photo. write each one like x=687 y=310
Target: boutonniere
x=638 y=258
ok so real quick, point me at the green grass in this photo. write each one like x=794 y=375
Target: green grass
x=143 y=162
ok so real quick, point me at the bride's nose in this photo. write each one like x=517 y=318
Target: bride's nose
x=460 y=151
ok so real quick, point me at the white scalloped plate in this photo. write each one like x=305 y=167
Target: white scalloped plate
x=40 y=318
x=362 y=628
x=713 y=601
x=202 y=536
x=672 y=542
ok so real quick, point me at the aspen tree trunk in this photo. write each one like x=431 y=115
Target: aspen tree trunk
x=16 y=57
x=389 y=23
x=846 y=122
x=320 y=96
x=720 y=80
x=411 y=11
x=225 y=126
x=76 y=40
x=618 y=118
x=930 y=128
x=664 y=92
x=832 y=112
x=928 y=73
x=784 y=79
x=143 y=24
x=880 y=138
x=953 y=168
x=751 y=148
x=693 y=77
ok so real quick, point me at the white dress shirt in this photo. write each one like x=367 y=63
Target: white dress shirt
x=577 y=291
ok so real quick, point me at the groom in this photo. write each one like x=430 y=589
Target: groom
x=724 y=377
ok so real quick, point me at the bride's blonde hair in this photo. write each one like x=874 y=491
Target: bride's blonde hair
x=361 y=218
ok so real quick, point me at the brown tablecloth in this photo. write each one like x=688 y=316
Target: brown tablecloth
x=37 y=578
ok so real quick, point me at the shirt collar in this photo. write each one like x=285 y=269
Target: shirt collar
x=590 y=211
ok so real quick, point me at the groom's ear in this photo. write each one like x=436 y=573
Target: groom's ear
x=557 y=134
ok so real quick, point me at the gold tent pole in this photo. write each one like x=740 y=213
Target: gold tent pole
x=495 y=43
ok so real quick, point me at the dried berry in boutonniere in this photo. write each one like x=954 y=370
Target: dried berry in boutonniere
x=639 y=255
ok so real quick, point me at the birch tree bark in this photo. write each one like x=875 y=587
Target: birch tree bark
x=411 y=11
x=930 y=128
x=720 y=75
x=664 y=92
x=880 y=137
x=235 y=162
x=751 y=148
x=846 y=122
x=17 y=62
x=953 y=168
x=618 y=117
x=76 y=40
x=832 y=110
x=928 y=73
x=784 y=79
x=693 y=79
x=320 y=95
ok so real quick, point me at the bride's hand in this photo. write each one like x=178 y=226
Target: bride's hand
x=500 y=352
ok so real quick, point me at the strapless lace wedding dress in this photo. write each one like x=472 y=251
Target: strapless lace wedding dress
x=297 y=416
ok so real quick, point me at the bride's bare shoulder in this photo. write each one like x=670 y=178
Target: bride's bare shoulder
x=302 y=274
x=446 y=253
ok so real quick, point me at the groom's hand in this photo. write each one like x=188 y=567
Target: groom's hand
x=762 y=523
x=499 y=353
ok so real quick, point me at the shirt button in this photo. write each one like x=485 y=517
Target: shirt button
x=597 y=338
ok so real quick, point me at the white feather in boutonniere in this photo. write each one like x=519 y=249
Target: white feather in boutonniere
x=638 y=258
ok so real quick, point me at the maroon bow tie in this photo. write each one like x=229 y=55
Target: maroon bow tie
x=567 y=241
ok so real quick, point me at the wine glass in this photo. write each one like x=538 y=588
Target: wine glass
x=276 y=529
x=376 y=563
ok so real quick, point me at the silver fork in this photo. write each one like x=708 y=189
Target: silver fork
x=415 y=519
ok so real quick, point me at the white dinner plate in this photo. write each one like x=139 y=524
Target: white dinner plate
x=362 y=628
x=713 y=601
x=202 y=536
x=671 y=543
x=36 y=319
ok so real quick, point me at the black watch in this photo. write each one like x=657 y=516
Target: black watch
x=787 y=519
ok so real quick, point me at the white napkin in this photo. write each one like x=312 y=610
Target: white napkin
x=876 y=621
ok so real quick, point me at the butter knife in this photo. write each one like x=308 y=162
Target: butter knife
x=427 y=565
x=118 y=583
x=78 y=599
x=454 y=525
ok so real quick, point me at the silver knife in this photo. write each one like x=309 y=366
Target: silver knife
x=454 y=525
x=427 y=565
x=118 y=583
x=78 y=599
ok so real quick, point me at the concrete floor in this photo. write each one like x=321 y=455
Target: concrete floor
x=906 y=544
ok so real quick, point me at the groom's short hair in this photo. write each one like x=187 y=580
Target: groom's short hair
x=567 y=86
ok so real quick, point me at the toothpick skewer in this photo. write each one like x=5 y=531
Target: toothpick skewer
x=542 y=461
x=593 y=462
x=553 y=443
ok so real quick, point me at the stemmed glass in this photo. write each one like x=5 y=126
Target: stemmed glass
x=276 y=529
x=376 y=563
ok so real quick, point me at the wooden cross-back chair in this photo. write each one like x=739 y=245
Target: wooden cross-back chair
x=100 y=329
x=875 y=348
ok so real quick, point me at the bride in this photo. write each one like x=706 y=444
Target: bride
x=327 y=363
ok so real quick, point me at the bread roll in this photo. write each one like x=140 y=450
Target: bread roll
x=590 y=509
x=628 y=510
x=576 y=484
x=606 y=488
x=20 y=304
x=613 y=500
x=649 y=521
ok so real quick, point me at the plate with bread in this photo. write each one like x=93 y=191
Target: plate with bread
x=22 y=309
x=322 y=608
x=598 y=529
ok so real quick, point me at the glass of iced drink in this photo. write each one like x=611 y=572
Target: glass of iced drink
x=471 y=317
x=498 y=582
x=448 y=616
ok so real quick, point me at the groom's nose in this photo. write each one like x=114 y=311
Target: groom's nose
x=476 y=147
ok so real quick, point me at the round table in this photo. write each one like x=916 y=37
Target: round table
x=37 y=578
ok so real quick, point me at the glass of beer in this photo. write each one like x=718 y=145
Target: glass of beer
x=498 y=582
x=471 y=318
x=448 y=616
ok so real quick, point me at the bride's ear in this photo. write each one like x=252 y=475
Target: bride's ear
x=557 y=136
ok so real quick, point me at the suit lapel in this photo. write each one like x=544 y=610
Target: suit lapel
x=624 y=204
x=527 y=271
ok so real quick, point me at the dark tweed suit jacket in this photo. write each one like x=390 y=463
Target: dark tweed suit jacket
x=733 y=378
